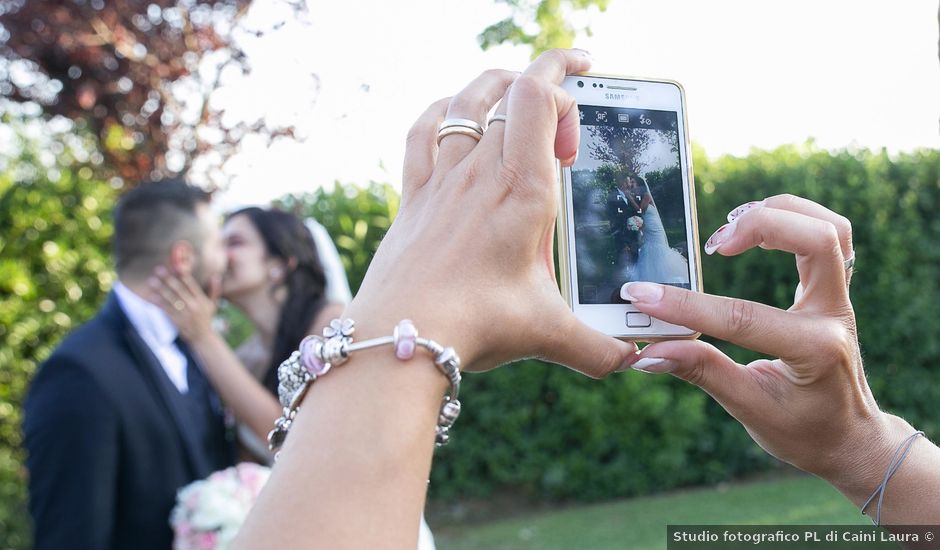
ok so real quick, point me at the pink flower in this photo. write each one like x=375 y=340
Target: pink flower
x=208 y=513
x=207 y=541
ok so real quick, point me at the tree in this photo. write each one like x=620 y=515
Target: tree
x=618 y=145
x=541 y=25
x=137 y=73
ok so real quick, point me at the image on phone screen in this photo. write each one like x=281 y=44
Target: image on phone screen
x=628 y=202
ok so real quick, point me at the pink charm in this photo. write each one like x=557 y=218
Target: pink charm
x=405 y=336
x=309 y=357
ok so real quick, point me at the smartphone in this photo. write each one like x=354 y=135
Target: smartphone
x=627 y=210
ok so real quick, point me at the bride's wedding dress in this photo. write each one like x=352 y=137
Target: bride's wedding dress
x=657 y=262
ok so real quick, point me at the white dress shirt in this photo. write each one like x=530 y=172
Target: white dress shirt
x=157 y=331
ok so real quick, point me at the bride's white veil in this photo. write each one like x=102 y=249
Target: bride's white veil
x=337 y=285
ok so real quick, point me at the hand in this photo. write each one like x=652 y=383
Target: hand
x=184 y=301
x=811 y=407
x=469 y=257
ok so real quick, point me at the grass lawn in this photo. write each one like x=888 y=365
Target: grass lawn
x=640 y=524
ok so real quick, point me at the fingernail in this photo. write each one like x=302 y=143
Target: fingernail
x=583 y=52
x=570 y=160
x=643 y=293
x=654 y=365
x=736 y=213
x=719 y=237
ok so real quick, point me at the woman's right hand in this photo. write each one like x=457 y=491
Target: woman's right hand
x=186 y=304
x=811 y=407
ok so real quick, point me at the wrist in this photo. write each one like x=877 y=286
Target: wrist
x=419 y=383
x=203 y=338
x=858 y=466
x=441 y=326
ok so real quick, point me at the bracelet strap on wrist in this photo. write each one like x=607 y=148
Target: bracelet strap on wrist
x=316 y=355
x=900 y=454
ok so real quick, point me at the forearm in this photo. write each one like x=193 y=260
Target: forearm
x=912 y=496
x=251 y=402
x=353 y=472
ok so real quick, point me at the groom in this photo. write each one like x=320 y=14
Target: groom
x=121 y=415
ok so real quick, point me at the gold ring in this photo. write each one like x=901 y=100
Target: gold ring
x=458 y=130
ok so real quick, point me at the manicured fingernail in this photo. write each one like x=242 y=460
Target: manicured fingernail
x=736 y=213
x=654 y=365
x=719 y=237
x=644 y=293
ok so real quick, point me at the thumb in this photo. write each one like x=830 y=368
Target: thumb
x=588 y=351
x=701 y=364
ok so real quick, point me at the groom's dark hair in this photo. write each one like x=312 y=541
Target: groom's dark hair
x=150 y=218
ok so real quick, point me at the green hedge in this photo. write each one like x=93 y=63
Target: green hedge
x=54 y=272
x=531 y=428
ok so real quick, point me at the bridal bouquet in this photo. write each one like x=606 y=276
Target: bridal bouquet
x=209 y=512
x=635 y=223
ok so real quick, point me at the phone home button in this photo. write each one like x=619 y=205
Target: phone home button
x=638 y=320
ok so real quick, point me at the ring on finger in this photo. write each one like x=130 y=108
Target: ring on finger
x=463 y=130
x=495 y=118
x=849 y=263
x=179 y=305
x=461 y=123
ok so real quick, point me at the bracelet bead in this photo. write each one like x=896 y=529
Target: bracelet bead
x=310 y=357
x=405 y=336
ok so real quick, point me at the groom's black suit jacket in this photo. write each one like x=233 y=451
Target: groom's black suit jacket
x=110 y=439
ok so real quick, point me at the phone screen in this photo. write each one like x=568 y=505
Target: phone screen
x=628 y=202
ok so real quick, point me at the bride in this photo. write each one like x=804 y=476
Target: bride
x=656 y=262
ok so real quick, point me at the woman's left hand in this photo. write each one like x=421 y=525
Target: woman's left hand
x=469 y=258
x=185 y=302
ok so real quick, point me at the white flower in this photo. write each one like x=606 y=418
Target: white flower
x=209 y=512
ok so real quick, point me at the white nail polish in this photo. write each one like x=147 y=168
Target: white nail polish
x=625 y=294
x=647 y=362
x=720 y=237
x=736 y=213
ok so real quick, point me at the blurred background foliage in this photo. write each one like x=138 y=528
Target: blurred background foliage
x=54 y=271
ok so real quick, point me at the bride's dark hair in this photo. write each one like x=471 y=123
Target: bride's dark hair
x=286 y=237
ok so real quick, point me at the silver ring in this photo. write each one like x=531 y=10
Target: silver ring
x=179 y=305
x=495 y=118
x=461 y=123
x=849 y=263
x=463 y=130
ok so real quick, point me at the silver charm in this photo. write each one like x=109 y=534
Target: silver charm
x=340 y=327
x=449 y=412
x=291 y=377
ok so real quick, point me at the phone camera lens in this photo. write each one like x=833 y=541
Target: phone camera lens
x=580 y=84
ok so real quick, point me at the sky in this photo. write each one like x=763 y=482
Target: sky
x=847 y=73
